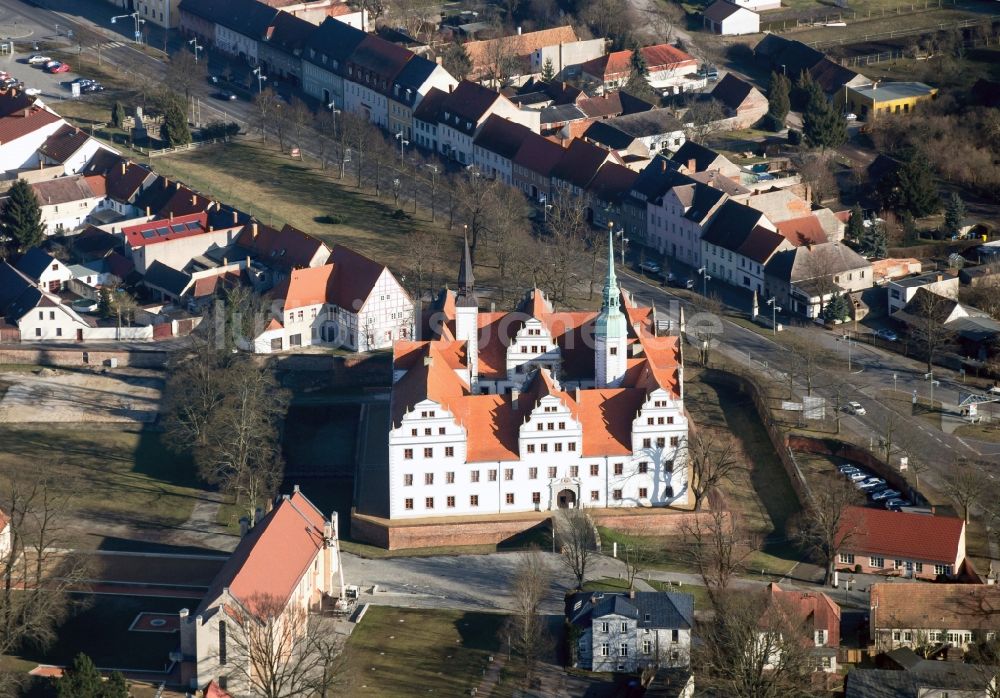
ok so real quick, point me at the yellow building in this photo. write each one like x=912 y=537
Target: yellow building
x=871 y=101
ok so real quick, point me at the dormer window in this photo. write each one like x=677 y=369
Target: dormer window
x=324 y=58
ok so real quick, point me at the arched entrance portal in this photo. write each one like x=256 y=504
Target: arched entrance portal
x=566 y=499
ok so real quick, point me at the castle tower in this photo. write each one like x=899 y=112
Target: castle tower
x=610 y=329
x=467 y=315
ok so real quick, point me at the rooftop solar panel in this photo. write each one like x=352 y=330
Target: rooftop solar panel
x=177 y=227
x=193 y=225
x=147 y=234
x=162 y=231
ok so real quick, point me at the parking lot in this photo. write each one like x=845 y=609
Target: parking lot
x=53 y=86
x=819 y=468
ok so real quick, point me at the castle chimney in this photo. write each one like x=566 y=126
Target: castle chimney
x=235 y=217
x=514 y=395
x=692 y=165
x=253 y=229
x=148 y=214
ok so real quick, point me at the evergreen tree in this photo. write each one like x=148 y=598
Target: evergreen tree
x=638 y=81
x=821 y=124
x=874 y=242
x=117 y=115
x=800 y=95
x=548 y=70
x=81 y=680
x=910 y=187
x=837 y=308
x=456 y=61
x=855 y=224
x=954 y=214
x=116 y=687
x=21 y=218
x=778 y=97
x=175 y=127
x=104 y=301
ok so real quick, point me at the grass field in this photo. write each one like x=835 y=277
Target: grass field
x=277 y=190
x=864 y=30
x=401 y=651
x=110 y=479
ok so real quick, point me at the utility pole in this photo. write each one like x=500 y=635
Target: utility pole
x=775 y=309
x=135 y=16
x=197 y=47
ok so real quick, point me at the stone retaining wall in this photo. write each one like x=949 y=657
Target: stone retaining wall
x=82 y=357
x=399 y=537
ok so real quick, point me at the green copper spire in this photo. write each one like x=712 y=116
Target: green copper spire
x=611 y=321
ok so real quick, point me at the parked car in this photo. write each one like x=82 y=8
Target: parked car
x=93 y=87
x=845 y=467
x=885 y=494
x=225 y=96
x=896 y=504
x=887 y=335
x=39 y=59
x=683 y=283
x=59 y=68
x=870 y=484
x=854 y=408
x=849 y=470
x=858 y=476
x=851 y=117
x=649 y=267
x=32 y=91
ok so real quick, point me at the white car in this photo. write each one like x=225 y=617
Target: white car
x=851 y=117
x=32 y=91
x=38 y=59
x=854 y=408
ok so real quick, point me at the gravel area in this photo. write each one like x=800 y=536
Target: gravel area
x=56 y=396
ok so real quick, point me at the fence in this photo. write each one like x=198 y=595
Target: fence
x=820 y=17
x=181 y=148
x=883 y=56
x=900 y=33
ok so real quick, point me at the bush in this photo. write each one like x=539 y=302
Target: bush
x=794 y=137
x=399 y=215
x=330 y=219
x=220 y=129
x=772 y=123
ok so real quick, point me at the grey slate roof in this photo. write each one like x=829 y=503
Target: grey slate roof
x=335 y=40
x=34 y=262
x=558 y=113
x=18 y=295
x=605 y=133
x=166 y=278
x=658 y=177
x=703 y=157
x=731 y=225
x=663 y=609
x=247 y=17
x=413 y=75
x=880 y=683
x=648 y=123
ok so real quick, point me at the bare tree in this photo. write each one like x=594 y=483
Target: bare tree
x=929 y=313
x=637 y=557
x=478 y=198
x=718 y=546
x=242 y=453
x=824 y=527
x=809 y=359
x=714 y=458
x=501 y=59
x=36 y=572
x=966 y=484
x=423 y=250
x=754 y=647
x=509 y=237
x=184 y=72
x=705 y=117
x=280 y=650
x=267 y=105
x=526 y=626
x=194 y=390
x=324 y=144
x=563 y=254
x=575 y=536
x=356 y=135
x=299 y=117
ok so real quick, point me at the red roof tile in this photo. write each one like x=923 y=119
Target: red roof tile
x=21 y=123
x=162 y=230
x=304 y=287
x=936 y=606
x=61 y=145
x=814 y=608
x=806 y=230
x=899 y=535
x=288 y=248
x=618 y=64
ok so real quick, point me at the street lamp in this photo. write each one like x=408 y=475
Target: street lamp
x=434 y=173
x=621 y=234
x=705 y=278
x=135 y=16
x=544 y=201
x=775 y=309
x=197 y=47
x=402 y=142
x=258 y=71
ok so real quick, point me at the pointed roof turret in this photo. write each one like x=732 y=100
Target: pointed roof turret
x=611 y=321
x=466 y=296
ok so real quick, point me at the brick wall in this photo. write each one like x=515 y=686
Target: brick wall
x=438 y=534
x=356 y=370
x=656 y=522
x=840 y=449
x=81 y=357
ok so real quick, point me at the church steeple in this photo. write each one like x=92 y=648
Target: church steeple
x=611 y=293
x=466 y=295
x=610 y=328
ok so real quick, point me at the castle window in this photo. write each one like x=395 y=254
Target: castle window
x=614 y=351
x=408 y=480
x=407 y=454
x=619 y=468
x=408 y=503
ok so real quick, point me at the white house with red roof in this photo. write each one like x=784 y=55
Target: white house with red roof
x=351 y=302
x=666 y=64
x=70 y=147
x=25 y=125
x=536 y=409
x=176 y=240
x=290 y=560
x=817 y=614
x=901 y=544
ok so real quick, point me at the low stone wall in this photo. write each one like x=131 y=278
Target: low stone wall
x=82 y=357
x=655 y=522
x=383 y=534
x=356 y=370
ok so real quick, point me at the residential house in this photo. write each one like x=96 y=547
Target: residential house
x=371 y=70
x=239 y=25
x=280 y=250
x=975 y=330
x=562 y=121
x=983 y=275
x=5 y=535
x=324 y=61
x=658 y=129
x=25 y=125
x=786 y=56
x=902 y=291
x=537 y=93
x=566 y=57
x=667 y=64
x=903 y=544
x=693 y=157
x=71 y=148
x=416 y=79
x=579 y=165
x=817 y=613
x=426 y=117
x=631 y=632
x=516 y=412
x=175 y=241
x=511 y=56
x=95 y=273
x=629 y=148
x=885 y=98
x=730 y=19
x=47 y=272
x=676 y=220
x=607 y=192
x=162 y=13
x=742 y=102
x=67 y=202
x=38 y=314
x=172 y=284
x=288 y=564
x=316 y=11
x=738 y=243
x=759 y=5
x=351 y=302
x=923 y=678
x=495 y=147
x=922 y=616
x=463 y=112
x=124 y=181
x=804 y=279
x=281 y=50
x=533 y=165
x=835 y=79
x=612 y=104
x=654 y=180
x=886 y=270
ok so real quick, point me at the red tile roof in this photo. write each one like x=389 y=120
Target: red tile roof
x=346 y=280
x=62 y=190
x=814 y=608
x=304 y=287
x=271 y=559
x=163 y=229
x=21 y=123
x=936 y=606
x=288 y=248
x=806 y=230
x=60 y=146
x=482 y=53
x=618 y=64
x=901 y=535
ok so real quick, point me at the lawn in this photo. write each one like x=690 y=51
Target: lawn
x=100 y=628
x=406 y=652
x=862 y=30
x=120 y=485
x=276 y=189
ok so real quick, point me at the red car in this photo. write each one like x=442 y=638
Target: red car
x=61 y=68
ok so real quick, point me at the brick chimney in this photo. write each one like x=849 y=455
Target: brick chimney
x=692 y=164
x=253 y=230
x=514 y=395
